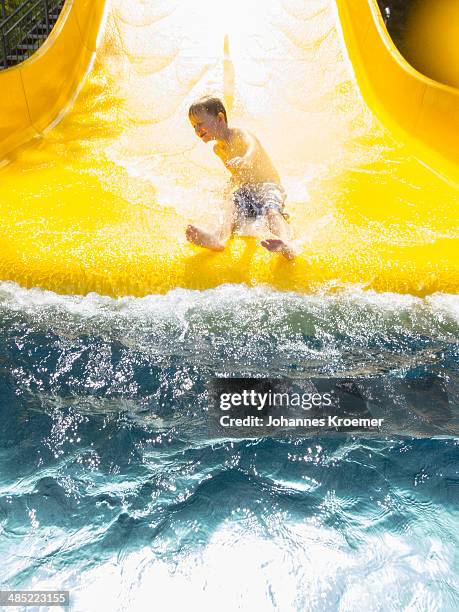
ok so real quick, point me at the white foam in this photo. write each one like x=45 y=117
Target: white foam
x=353 y=302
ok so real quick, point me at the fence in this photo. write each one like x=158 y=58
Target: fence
x=24 y=25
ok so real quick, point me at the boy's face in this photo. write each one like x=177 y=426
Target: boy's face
x=207 y=127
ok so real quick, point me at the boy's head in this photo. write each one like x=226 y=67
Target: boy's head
x=208 y=118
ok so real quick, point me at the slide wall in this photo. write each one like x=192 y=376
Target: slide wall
x=423 y=109
x=37 y=91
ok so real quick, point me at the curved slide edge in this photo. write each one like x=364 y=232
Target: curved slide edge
x=37 y=92
x=425 y=111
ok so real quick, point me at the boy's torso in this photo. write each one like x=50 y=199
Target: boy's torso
x=261 y=170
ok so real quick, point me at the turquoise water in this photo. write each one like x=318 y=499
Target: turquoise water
x=112 y=487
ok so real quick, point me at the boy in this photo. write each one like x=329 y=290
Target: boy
x=255 y=183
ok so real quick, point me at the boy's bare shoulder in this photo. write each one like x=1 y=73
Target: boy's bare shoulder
x=220 y=151
x=245 y=135
x=238 y=138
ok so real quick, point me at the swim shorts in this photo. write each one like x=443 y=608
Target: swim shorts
x=253 y=200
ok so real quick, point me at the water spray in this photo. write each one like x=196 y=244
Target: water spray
x=228 y=75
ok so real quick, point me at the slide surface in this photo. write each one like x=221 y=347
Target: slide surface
x=100 y=202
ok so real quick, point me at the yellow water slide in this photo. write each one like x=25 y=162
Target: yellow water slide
x=99 y=182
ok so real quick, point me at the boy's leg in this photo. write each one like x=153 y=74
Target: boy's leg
x=283 y=236
x=216 y=241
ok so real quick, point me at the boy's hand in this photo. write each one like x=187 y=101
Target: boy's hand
x=237 y=162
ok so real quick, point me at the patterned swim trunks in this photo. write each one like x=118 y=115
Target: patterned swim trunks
x=253 y=200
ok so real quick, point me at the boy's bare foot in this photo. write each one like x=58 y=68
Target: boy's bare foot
x=276 y=245
x=205 y=239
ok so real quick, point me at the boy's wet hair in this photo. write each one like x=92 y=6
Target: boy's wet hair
x=210 y=104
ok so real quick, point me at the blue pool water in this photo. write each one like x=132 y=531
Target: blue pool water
x=111 y=485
